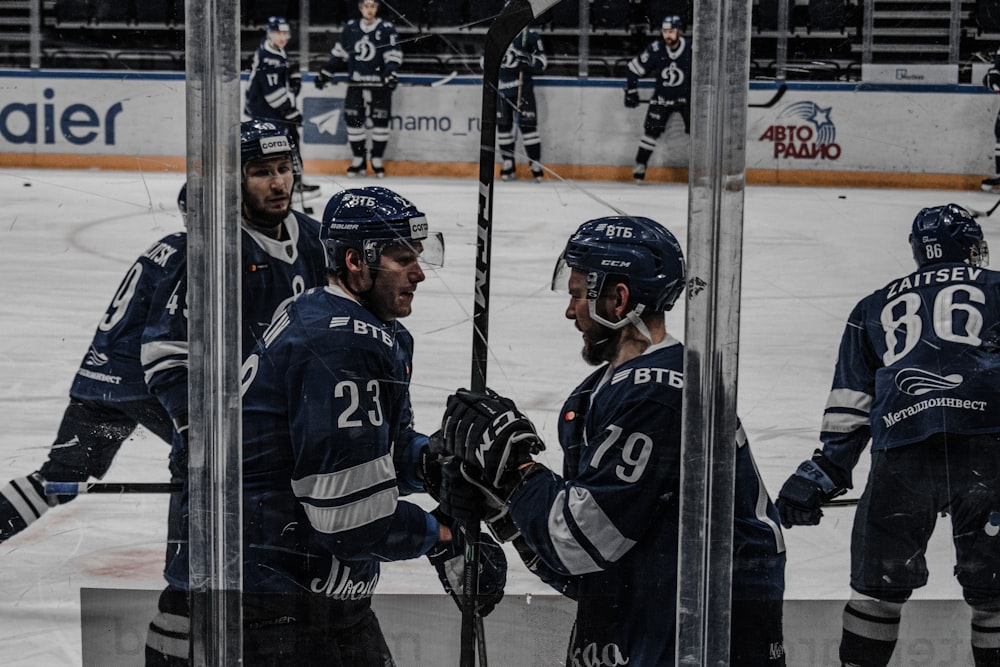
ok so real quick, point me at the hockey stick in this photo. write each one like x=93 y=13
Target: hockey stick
x=841 y=502
x=976 y=213
x=774 y=99
x=512 y=19
x=79 y=488
x=436 y=83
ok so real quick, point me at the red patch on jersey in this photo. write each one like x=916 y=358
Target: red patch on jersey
x=569 y=416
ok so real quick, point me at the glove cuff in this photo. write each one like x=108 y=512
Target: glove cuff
x=814 y=470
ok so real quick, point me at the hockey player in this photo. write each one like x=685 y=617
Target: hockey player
x=669 y=59
x=274 y=84
x=281 y=257
x=916 y=375
x=368 y=49
x=108 y=399
x=605 y=531
x=329 y=446
x=524 y=58
x=992 y=81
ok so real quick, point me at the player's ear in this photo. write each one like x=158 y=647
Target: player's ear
x=621 y=305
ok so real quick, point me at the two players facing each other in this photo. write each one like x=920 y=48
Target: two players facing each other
x=916 y=375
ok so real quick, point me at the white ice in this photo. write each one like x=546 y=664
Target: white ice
x=66 y=238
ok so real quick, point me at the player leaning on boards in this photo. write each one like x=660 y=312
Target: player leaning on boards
x=605 y=532
x=281 y=257
x=273 y=86
x=369 y=50
x=329 y=446
x=669 y=60
x=108 y=399
x=917 y=374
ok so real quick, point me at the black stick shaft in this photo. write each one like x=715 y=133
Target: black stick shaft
x=79 y=488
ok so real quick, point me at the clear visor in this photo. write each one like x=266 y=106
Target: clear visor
x=429 y=250
x=560 y=275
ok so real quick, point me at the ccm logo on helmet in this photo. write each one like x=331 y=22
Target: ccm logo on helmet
x=274 y=145
x=616 y=262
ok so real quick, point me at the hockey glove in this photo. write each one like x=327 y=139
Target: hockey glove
x=448 y=559
x=293 y=116
x=294 y=79
x=324 y=77
x=992 y=80
x=631 y=98
x=490 y=433
x=390 y=81
x=815 y=482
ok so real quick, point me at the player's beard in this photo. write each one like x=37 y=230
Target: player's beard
x=602 y=347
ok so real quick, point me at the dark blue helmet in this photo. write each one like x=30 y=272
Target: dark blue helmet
x=369 y=219
x=277 y=24
x=182 y=203
x=261 y=139
x=673 y=21
x=948 y=234
x=637 y=248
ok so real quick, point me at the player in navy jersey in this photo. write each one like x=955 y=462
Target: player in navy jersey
x=917 y=376
x=369 y=50
x=108 y=399
x=281 y=257
x=524 y=58
x=329 y=445
x=274 y=84
x=669 y=60
x=605 y=531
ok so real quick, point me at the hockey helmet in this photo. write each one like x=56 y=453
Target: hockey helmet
x=372 y=218
x=948 y=234
x=260 y=139
x=640 y=249
x=673 y=22
x=278 y=24
x=182 y=203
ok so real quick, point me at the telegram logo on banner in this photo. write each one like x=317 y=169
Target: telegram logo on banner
x=323 y=121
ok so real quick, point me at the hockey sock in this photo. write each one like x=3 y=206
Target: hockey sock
x=871 y=628
x=168 y=636
x=378 y=148
x=22 y=501
x=642 y=155
x=986 y=634
x=358 y=149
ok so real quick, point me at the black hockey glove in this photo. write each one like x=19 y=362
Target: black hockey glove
x=448 y=559
x=488 y=432
x=294 y=79
x=324 y=77
x=631 y=98
x=992 y=80
x=390 y=81
x=815 y=482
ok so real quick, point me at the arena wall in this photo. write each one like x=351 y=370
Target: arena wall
x=850 y=134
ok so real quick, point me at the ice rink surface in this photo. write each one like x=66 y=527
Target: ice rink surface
x=67 y=237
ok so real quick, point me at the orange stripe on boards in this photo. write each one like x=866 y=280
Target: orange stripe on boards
x=785 y=177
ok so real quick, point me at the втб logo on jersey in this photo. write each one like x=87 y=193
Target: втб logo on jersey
x=805 y=131
x=917 y=382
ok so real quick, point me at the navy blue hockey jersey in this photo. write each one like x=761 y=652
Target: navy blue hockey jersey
x=607 y=529
x=528 y=42
x=369 y=53
x=672 y=69
x=273 y=273
x=111 y=371
x=919 y=356
x=268 y=93
x=326 y=402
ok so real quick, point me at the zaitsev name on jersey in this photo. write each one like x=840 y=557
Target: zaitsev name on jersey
x=945 y=274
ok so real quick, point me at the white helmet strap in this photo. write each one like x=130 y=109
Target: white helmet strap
x=631 y=317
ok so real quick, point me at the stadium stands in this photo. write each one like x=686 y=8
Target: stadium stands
x=440 y=34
